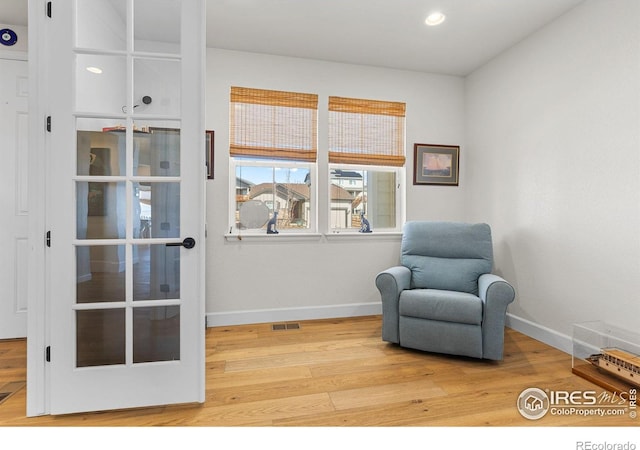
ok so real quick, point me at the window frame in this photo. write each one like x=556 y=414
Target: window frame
x=234 y=162
x=400 y=197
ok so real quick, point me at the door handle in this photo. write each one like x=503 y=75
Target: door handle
x=188 y=242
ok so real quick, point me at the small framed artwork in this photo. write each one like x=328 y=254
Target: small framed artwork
x=436 y=164
x=209 y=153
x=99 y=164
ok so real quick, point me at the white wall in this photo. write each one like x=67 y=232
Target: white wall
x=251 y=281
x=553 y=163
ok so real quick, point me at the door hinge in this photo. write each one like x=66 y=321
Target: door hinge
x=48 y=239
x=48 y=9
x=49 y=124
x=47 y=354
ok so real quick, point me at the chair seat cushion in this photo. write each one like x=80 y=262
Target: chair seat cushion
x=447 y=306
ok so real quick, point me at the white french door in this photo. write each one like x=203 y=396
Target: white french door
x=125 y=218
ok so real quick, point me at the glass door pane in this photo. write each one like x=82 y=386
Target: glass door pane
x=159 y=154
x=101 y=210
x=156 y=86
x=100 y=83
x=156 y=272
x=100 y=337
x=162 y=34
x=100 y=273
x=156 y=334
x=101 y=24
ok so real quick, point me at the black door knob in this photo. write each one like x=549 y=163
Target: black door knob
x=188 y=242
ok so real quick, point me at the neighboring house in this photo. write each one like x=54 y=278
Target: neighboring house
x=354 y=183
x=349 y=180
x=242 y=189
x=342 y=207
x=291 y=201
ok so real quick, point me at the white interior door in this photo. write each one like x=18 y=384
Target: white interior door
x=13 y=198
x=125 y=183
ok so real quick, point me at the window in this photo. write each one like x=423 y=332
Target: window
x=266 y=190
x=273 y=145
x=358 y=193
x=273 y=149
x=366 y=163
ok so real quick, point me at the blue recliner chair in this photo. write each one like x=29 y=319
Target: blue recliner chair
x=443 y=297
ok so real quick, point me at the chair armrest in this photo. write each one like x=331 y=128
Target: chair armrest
x=495 y=289
x=391 y=283
x=496 y=294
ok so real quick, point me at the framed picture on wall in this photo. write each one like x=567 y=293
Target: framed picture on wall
x=436 y=164
x=209 y=153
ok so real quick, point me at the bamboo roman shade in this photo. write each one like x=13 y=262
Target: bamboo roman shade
x=366 y=132
x=273 y=124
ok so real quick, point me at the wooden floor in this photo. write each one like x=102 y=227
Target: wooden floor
x=337 y=373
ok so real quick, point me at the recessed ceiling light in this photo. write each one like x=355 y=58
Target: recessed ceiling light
x=435 y=18
x=94 y=69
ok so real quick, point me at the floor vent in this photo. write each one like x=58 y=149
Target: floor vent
x=285 y=326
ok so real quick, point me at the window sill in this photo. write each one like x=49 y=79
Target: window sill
x=382 y=235
x=281 y=237
x=297 y=237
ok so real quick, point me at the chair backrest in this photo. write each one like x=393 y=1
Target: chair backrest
x=447 y=255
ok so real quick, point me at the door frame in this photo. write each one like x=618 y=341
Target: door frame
x=37 y=330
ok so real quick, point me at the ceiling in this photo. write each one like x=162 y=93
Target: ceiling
x=385 y=33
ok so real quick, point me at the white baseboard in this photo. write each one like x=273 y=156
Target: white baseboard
x=540 y=333
x=14 y=55
x=289 y=314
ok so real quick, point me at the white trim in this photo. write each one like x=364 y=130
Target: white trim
x=37 y=318
x=288 y=314
x=264 y=237
x=19 y=56
x=293 y=236
x=540 y=333
x=535 y=331
x=355 y=235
